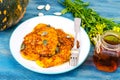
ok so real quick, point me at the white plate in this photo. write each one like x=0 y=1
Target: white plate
x=58 y=22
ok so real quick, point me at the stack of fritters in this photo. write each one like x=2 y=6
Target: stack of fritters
x=47 y=46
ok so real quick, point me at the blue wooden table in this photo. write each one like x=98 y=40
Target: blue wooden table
x=10 y=69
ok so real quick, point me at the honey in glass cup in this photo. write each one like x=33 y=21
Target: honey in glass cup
x=107 y=51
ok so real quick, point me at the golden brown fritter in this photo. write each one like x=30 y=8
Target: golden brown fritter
x=42 y=41
x=47 y=46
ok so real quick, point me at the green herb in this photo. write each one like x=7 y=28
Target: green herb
x=22 y=46
x=92 y=22
x=116 y=29
x=57 y=49
x=45 y=42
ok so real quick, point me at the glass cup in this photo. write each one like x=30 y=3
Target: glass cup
x=107 y=51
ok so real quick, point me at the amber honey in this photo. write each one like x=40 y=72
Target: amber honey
x=107 y=53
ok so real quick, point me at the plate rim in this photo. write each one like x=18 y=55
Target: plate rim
x=36 y=64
